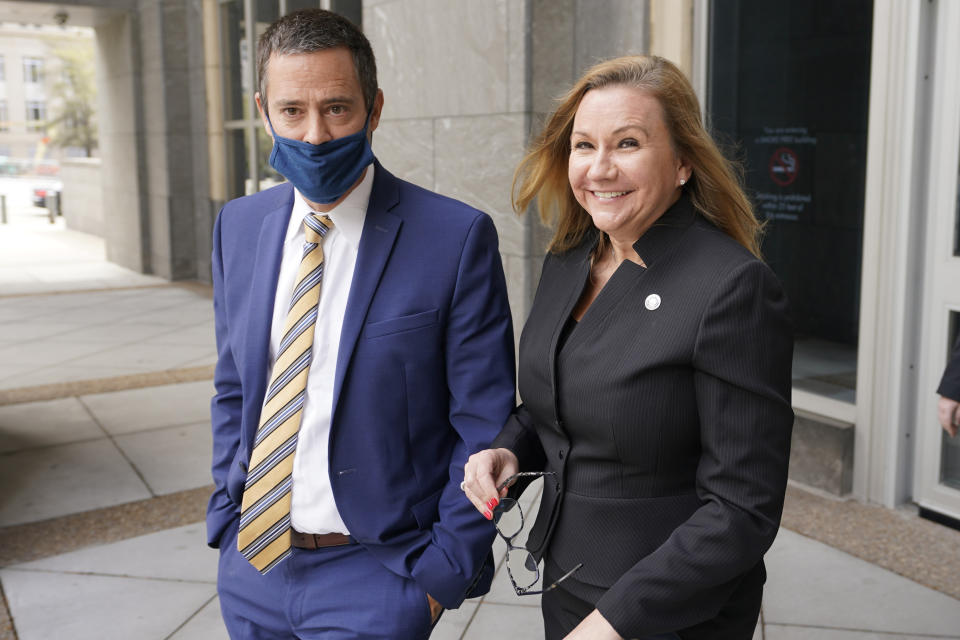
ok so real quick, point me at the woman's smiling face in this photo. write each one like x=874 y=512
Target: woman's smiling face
x=623 y=168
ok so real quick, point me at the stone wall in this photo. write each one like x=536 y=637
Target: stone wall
x=465 y=84
x=455 y=115
x=119 y=123
x=153 y=137
x=82 y=197
x=173 y=97
x=821 y=453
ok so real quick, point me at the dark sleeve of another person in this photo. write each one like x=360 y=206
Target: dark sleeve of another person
x=950 y=383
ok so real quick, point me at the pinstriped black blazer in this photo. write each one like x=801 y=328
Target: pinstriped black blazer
x=950 y=383
x=666 y=415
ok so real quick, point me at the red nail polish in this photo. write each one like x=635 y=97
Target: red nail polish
x=488 y=515
x=493 y=503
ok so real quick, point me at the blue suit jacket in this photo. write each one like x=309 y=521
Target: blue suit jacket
x=424 y=377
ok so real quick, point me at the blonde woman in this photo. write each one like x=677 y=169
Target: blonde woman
x=654 y=371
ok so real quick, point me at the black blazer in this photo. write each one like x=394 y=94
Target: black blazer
x=666 y=417
x=950 y=383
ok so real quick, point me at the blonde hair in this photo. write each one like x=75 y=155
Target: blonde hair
x=714 y=186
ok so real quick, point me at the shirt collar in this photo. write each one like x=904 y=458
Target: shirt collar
x=348 y=216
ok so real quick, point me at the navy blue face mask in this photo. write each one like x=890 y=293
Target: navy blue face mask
x=322 y=172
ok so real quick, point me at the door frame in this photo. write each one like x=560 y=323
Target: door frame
x=942 y=268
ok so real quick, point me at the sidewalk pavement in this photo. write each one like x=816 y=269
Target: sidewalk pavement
x=105 y=379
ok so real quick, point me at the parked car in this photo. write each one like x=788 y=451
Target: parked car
x=41 y=192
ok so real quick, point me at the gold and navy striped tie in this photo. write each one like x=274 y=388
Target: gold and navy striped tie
x=264 y=536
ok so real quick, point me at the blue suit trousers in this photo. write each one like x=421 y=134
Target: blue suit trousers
x=334 y=593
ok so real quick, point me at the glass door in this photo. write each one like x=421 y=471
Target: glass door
x=772 y=65
x=937 y=472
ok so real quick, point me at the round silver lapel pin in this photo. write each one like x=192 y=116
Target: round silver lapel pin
x=652 y=302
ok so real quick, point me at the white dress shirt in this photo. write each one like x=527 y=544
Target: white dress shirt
x=313 y=509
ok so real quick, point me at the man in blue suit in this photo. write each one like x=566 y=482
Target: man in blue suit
x=365 y=351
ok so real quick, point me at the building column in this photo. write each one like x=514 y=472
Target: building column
x=176 y=185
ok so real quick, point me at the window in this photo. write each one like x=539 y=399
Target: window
x=4 y=116
x=3 y=69
x=772 y=63
x=32 y=70
x=36 y=115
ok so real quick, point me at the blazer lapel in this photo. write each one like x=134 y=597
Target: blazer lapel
x=380 y=229
x=576 y=268
x=263 y=289
x=655 y=246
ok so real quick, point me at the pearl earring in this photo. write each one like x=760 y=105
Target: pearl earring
x=682 y=182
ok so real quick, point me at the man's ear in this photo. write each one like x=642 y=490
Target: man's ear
x=261 y=107
x=375 y=111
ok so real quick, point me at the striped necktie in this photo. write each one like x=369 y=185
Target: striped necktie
x=264 y=535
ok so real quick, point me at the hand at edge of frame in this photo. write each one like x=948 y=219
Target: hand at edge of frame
x=594 y=627
x=948 y=413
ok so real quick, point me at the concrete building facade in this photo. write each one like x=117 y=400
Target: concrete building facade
x=844 y=114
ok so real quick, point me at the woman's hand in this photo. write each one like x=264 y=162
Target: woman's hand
x=594 y=627
x=948 y=412
x=483 y=473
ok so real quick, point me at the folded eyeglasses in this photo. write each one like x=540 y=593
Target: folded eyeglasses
x=521 y=565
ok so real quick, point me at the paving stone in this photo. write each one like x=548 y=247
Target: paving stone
x=95 y=607
x=780 y=632
x=171 y=459
x=807 y=581
x=174 y=554
x=51 y=422
x=55 y=481
x=206 y=624
x=505 y=621
x=151 y=407
x=454 y=622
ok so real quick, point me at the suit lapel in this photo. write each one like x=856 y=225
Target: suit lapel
x=576 y=269
x=263 y=290
x=655 y=246
x=380 y=229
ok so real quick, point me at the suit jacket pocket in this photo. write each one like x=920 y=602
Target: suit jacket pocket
x=403 y=323
x=237 y=476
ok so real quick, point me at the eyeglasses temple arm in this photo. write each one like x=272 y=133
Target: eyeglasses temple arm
x=524 y=592
x=509 y=481
x=565 y=576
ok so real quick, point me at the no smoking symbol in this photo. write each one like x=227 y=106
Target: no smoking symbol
x=784 y=166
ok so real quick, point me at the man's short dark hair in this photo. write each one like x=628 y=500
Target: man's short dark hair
x=310 y=30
